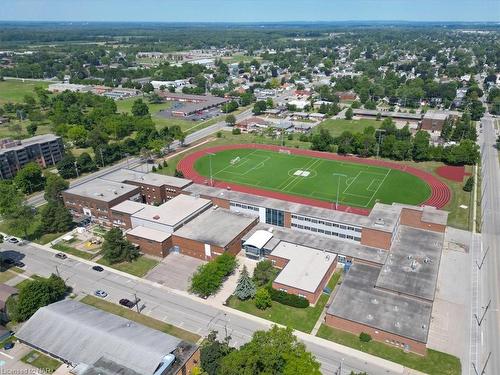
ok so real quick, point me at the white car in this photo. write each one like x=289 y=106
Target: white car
x=100 y=293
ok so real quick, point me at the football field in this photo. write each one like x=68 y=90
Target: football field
x=355 y=184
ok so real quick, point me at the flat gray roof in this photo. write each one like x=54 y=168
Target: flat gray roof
x=306 y=266
x=79 y=333
x=413 y=263
x=153 y=179
x=359 y=301
x=374 y=112
x=102 y=190
x=31 y=141
x=436 y=115
x=384 y=217
x=128 y=207
x=174 y=211
x=149 y=234
x=320 y=242
x=296 y=208
x=216 y=227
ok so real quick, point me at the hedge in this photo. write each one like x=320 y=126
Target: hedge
x=288 y=299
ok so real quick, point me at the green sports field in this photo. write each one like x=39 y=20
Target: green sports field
x=358 y=185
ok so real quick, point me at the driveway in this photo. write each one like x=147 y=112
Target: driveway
x=175 y=271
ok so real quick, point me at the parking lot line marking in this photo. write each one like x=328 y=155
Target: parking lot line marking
x=8 y=356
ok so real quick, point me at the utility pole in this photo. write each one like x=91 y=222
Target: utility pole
x=210 y=154
x=379 y=139
x=76 y=169
x=137 y=303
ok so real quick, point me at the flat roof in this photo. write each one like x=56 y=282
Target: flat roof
x=37 y=139
x=296 y=208
x=79 y=333
x=412 y=265
x=217 y=227
x=330 y=244
x=306 y=266
x=149 y=234
x=359 y=301
x=102 y=190
x=436 y=115
x=374 y=112
x=153 y=179
x=128 y=207
x=259 y=238
x=384 y=217
x=174 y=211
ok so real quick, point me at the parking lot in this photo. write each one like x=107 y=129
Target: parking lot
x=175 y=271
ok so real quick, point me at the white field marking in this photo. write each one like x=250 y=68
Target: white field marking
x=352 y=182
x=376 y=191
x=257 y=166
x=297 y=179
x=308 y=169
x=230 y=165
x=371 y=183
x=290 y=179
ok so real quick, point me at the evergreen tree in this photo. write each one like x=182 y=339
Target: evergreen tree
x=245 y=288
x=117 y=249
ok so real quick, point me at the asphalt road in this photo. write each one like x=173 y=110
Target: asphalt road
x=183 y=311
x=490 y=273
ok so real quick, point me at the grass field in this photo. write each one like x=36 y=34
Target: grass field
x=14 y=90
x=337 y=126
x=358 y=185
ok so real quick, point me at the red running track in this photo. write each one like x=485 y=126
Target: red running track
x=440 y=193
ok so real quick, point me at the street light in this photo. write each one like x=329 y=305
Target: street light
x=338 y=187
x=379 y=139
x=210 y=154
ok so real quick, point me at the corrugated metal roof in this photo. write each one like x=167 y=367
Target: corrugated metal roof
x=79 y=333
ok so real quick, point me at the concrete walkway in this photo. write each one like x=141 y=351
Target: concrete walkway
x=321 y=318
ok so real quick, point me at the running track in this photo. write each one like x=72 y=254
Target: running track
x=440 y=193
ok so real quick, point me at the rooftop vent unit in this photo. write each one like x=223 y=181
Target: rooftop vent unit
x=374 y=301
x=413 y=265
x=424 y=326
x=395 y=308
x=397 y=325
x=379 y=222
x=215 y=207
x=115 y=192
x=156 y=217
x=370 y=317
x=327 y=258
x=410 y=257
x=427 y=260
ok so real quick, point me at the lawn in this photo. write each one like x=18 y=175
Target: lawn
x=295 y=318
x=139 y=267
x=41 y=361
x=15 y=90
x=7 y=275
x=23 y=283
x=71 y=250
x=337 y=126
x=140 y=318
x=358 y=184
x=434 y=363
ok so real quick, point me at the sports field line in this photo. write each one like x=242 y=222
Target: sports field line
x=256 y=166
x=300 y=178
x=371 y=183
x=230 y=165
x=290 y=179
x=352 y=182
x=376 y=191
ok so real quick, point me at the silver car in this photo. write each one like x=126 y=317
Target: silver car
x=100 y=293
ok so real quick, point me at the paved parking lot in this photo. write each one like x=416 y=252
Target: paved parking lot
x=175 y=271
x=10 y=361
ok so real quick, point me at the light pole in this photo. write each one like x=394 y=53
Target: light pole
x=338 y=187
x=210 y=154
x=76 y=169
x=379 y=138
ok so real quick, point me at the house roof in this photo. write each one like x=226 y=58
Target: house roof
x=79 y=333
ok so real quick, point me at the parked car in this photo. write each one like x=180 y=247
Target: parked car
x=12 y=240
x=98 y=268
x=8 y=345
x=19 y=264
x=61 y=256
x=127 y=303
x=100 y=293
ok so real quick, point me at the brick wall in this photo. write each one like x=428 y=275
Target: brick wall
x=288 y=220
x=194 y=248
x=191 y=363
x=376 y=238
x=378 y=335
x=432 y=125
x=158 y=249
x=413 y=218
x=125 y=219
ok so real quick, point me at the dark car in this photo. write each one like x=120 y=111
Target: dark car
x=8 y=345
x=98 y=268
x=19 y=264
x=9 y=261
x=127 y=303
x=61 y=256
x=12 y=240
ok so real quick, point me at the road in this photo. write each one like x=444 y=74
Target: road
x=489 y=274
x=182 y=310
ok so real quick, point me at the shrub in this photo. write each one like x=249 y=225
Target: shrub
x=236 y=131
x=264 y=272
x=365 y=337
x=469 y=184
x=288 y=299
x=262 y=299
x=209 y=277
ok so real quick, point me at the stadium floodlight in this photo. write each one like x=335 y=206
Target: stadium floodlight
x=338 y=187
x=210 y=154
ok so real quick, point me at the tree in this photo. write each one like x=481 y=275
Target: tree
x=66 y=167
x=209 y=277
x=139 y=108
x=117 y=249
x=36 y=294
x=264 y=272
x=421 y=146
x=259 y=107
x=10 y=198
x=469 y=184
x=276 y=351
x=78 y=135
x=32 y=128
x=348 y=114
x=30 y=178
x=21 y=219
x=85 y=163
x=263 y=299
x=365 y=337
x=322 y=141
x=56 y=218
x=231 y=120
x=212 y=352
x=148 y=87
x=54 y=185
x=245 y=288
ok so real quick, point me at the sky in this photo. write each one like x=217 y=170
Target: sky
x=249 y=10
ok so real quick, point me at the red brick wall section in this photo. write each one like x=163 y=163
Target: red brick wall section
x=376 y=238
x=194 y=248
x=190 y=364
x=378 y=335
x=288 y=220
x=158 y=249
x=278 y=262
x=223 y=203
x=413 y=218
x=125 y=219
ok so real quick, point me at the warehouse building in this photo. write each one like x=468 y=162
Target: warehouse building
x=94 y=342
x=155 y=188
x=213 y=233
x=45 y=150
x=192 y=103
